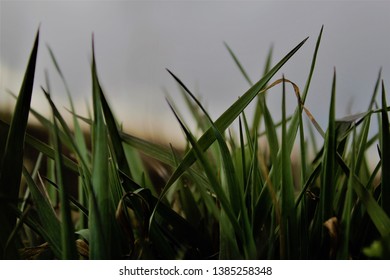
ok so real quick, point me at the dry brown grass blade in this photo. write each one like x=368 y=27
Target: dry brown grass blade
x=82 y=248
x=333 y=228
x=33 y=253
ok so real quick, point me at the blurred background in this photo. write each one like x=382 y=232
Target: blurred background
x=135 y=41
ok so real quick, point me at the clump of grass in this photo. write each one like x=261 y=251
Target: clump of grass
x=226 y=198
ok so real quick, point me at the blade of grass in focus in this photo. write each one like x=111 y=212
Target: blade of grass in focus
x=68 y=244
x=12 y=159
x=385 y=158
x=288 y=228
x=345 y=222
x=100 y=209
x=325 y=210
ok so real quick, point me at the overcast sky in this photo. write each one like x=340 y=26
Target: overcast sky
x=136 y=40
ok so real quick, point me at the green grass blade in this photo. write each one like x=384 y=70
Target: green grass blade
x=47 y=123
x=68 y=244
x=362 y=144
x=312 y=67
x=328 y=162
x=253 y=186
x=288 y=229
x=313 y=140
x=56 y=65
x=199 y=118
x=303 y=148
x=153 y=150
x=343 y=252
x=43 y=148
x=376 y=89
x=100 y=213
x=260 y=106
x=229 y=116
x=243 y=157
x=12 y=160
x=378 y=216
x=83 y=156
x=385 y=159
x=327 y=189
x=116 y=141
x=68 y=237
x=242 y=70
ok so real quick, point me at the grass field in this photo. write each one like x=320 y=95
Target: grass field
x=106 y=194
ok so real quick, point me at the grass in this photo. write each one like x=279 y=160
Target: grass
x=225 y=196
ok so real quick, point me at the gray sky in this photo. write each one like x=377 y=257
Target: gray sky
x=136 y=40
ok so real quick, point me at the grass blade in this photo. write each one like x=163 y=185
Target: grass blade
x=153 y=150
x=328 y=161
x=242 y=70
x=343 y=252
x=116 y=141
x=261 y=106
x=378 y=216
x=100 y=214
x=68 y=244
x=288 y=227
x=12 y=161
x=385 y=158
